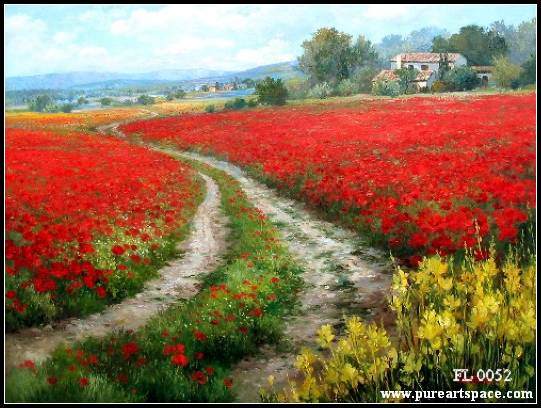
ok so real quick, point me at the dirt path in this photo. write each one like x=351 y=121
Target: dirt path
x=178 y=280
x=343 y=276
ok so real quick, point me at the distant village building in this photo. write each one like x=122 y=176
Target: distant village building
x=230 y=86
x=427 y=63
x=484 y=73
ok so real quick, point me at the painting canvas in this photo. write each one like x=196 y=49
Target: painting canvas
x=270 y=203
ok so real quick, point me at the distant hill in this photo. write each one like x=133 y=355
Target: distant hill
x=108 y=80
x=283 y=70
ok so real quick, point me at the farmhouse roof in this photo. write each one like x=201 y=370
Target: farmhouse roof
x=386 y=75
x=390 y=75
x=425 y=57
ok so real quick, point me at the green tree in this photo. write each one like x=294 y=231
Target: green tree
x=505 y=72
x=271 y=91
x=327 y=56
x=82 y=100
x=40 y=103
x=520 y=40
x=461 y=79
x=386 y=88
x=66 y=108
x=235 y=104
x=145 y=100
x=106 y=101
x=528 y=75
x=406 y=76
x=478 y=45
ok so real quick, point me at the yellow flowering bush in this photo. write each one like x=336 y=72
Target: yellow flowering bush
x=477 y=316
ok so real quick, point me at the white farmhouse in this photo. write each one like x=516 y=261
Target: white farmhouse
x=427 y=63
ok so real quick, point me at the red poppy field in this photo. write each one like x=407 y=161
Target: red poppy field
x=423 y=175
x=88 y=218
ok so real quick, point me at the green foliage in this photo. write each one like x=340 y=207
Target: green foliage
x=362 y=78
x=521 y=40
x=146 y=100
x=329 y=56
x=41 y=103
x=406 y=76
x=106 y=101
x=235 y=104
x=67 y=107
x=346 y=88
x=252 y=103
x=528 y=75
x=297 y=88
x=271 y=91
x=461 y=79
x=320 y=91
x=439 y=86
x=505 y=72
x=177 y=94
x=82 y=100
x=210 y=108
x=478 y=45
x=386 y=88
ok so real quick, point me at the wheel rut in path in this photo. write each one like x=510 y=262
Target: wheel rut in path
x=343 y=276
x=202 y=251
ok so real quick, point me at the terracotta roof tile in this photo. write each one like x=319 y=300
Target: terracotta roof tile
x=425 y=57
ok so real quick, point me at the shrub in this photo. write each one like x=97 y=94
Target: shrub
x=235 y=104
x=145 y=100
x=439 y=86
x=346 y=88
x=40 y=103
x=66 y=108
x=362 y=78
x=210 y=108
x=461 y=79
x=386 y=88
x=528 y=75
x=252 y=103
x=297 y=88
x=320 y=91
x=271 y=91
x=106 y=101
x=505 y=72
x=475 y=316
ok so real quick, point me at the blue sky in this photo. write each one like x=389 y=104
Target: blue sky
x=138 y=38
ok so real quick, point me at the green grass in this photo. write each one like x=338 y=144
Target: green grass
x=241 y=306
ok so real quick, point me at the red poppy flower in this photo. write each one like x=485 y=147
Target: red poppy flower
x=117 y=250
x=129 y=349
x=101 y=292
x=179 y=360
x=199 y=335
x=199 y=377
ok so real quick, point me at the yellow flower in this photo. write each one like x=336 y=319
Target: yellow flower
x=451 y=302
x=350 y=375
x=325 y=336
x=430 y=329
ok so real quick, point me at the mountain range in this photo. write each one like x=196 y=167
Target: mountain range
x=96 y=80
